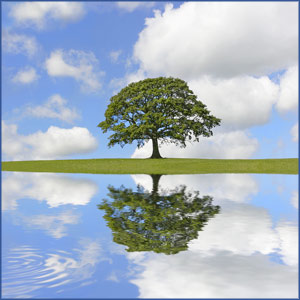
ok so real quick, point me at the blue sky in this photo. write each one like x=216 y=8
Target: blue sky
x=62 y=61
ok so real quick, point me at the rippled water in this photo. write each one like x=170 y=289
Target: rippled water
x=121 y=236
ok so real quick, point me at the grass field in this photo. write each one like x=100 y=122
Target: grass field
x=157 y=166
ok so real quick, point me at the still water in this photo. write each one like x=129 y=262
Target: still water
x=177 y=236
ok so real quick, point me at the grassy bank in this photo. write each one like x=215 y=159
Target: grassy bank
x=157 y=166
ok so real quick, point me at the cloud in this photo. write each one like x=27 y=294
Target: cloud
x=230 y=187
x=55 y=107
x=55 y=190
x=233 y=249
x=113 y=277
x=191 y=274
x=242 y=229
x=228 y=145
x=26 y=76
x=54 y=143
x=131 y=6
x=295 y=199
x=19 y=44
x=225 y=52
x=54 y=225
x=76 y=64
x=236 y=248
x=223 y=39
x=114 y=55
x=241 y=102
x=289 y=248
x=294 y=133
x=288 y=94
x=38 y=14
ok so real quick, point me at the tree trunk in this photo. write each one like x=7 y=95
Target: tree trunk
x=155 y=181
x=155 y=152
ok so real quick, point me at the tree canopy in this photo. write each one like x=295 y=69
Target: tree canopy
x=157 y=109
x=146 y=221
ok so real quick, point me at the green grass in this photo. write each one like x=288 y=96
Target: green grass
x=157 y=166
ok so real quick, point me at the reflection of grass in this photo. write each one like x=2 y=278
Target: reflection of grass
x=157 y=166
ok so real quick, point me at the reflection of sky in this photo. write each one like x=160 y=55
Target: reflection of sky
x=56 y=243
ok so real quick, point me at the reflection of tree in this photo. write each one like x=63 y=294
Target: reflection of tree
x=151 y=222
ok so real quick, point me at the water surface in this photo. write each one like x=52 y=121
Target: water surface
x=121 y=236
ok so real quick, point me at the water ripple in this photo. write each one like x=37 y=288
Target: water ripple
x=26 y=269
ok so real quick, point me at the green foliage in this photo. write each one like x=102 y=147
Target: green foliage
x=161 y=223
x=160 y=108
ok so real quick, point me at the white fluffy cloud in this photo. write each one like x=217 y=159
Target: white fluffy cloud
x=76 y=64
x=223 y=39
x=54 y=143
x=225 y=51
x=230 y=145
x=133 y=5
x=55 y=190
x=240 y=102
x=288 y=95
x=19 y=43
x=37 y=14
x=55 y=107
x=294 y=133
x=26 y=76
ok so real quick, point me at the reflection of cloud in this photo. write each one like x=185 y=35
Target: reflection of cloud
x=234 y=187
x=74 y=269
x=55 y=225
x=27 y=269
x=113 y=277
x=288 y=234
x=239 y=228
x=194 y=275
x=231 y=258
x=55 y=189
x=295 y=199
